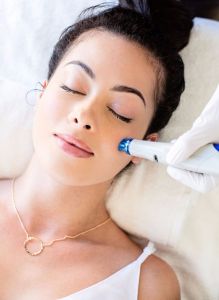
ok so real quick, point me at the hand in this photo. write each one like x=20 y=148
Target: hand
x=205 y=130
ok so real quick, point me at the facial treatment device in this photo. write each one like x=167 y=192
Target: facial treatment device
x=205 y=160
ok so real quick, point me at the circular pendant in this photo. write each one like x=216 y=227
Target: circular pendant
x=32 y=242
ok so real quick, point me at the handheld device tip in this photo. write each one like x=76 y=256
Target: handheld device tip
x=124 y=145
x=216 y=146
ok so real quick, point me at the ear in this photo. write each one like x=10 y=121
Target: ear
x=153 y=137
x=44 y=85
x=39 y=95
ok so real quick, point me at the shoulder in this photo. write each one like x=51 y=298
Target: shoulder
x=158 y=281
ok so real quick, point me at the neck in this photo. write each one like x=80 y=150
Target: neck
x=50 y=209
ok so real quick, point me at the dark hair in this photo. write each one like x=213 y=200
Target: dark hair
x=161 y=27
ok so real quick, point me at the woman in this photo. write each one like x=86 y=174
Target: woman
x=113 y=74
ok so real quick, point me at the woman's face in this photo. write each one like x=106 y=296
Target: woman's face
x=112 y=62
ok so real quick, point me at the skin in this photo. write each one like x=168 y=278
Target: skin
x=72 y=190
x=59 y=195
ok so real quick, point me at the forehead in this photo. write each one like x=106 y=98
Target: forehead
x=113 y=58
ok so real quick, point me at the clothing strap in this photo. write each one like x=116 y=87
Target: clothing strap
x=148 y=250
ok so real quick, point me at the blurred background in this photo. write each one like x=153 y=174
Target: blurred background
x=203 y=8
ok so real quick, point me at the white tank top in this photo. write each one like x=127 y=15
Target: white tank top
x=121 y=285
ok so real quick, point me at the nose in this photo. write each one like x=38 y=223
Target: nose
x=82 y=118
x=86 y=126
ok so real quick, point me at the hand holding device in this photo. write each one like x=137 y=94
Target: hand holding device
x=205 y=130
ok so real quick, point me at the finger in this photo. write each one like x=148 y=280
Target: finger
x=205 y=130
x=185 y=146
x=200 y=182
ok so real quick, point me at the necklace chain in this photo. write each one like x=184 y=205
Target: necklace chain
x=42 y=244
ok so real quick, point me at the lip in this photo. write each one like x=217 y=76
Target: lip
x=76 y=142
x=71 y=149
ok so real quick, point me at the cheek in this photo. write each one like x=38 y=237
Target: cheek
x=50 y=111
x=115 y=159
x=112 y=137
x=52 y=108
x=47 y=115
x=142 y=124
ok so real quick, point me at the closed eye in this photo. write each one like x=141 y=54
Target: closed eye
x=124 y=119
x=127 y=120
x=64 y=87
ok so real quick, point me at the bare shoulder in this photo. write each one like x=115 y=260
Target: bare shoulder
x=158 y=281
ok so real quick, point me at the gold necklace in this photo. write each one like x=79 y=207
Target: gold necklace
x=36 y=239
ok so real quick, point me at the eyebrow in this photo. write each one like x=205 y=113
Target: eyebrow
x=117 y=88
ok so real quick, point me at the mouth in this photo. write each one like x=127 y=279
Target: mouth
x=75 y=143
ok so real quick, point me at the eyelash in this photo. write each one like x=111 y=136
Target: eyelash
x=124 y=119
x=127 y=120
x=64 y=87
